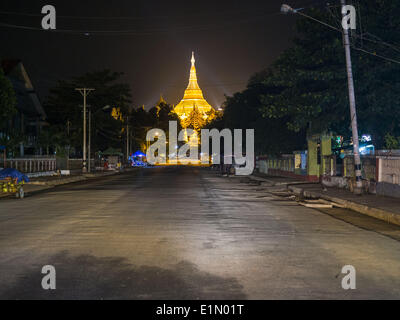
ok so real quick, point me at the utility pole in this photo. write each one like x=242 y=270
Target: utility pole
x=353 y=114
x=84 y=92
x=127 y=138
x=68 y=147
x=89 y=143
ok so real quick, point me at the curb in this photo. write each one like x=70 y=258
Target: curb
x=66 y=181
x=63 y=181
x=58 y=182
x=274 y=183
x=51 y=184
x=380 y=214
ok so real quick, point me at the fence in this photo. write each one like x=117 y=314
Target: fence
x=289 y=165
x=381 y=172
x=31 y=165
x=284 y=163
x=39 y=164
x=334 y=166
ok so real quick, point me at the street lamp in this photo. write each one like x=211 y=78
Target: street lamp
x=285 y=8
x=350 y=83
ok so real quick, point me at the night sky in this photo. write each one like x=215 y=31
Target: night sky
x=151 y=43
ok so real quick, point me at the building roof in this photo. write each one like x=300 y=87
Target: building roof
x=9 y=65
x=27 y=100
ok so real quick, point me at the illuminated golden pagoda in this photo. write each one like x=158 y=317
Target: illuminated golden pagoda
x=194 y=110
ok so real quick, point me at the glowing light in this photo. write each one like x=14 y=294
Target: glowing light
x=193 y=98
x=366 y=138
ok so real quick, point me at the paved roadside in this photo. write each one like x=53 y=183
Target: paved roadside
x=45 y=183
x=380 y=207
x=187 y=233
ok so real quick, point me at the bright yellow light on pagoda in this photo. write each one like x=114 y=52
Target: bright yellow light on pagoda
x=193 y=98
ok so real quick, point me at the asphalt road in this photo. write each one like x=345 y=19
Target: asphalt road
x=186 y=233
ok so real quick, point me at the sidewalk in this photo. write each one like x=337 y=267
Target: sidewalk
x=380 y=207
x=44 y=183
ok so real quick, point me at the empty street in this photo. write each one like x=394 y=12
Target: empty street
x=188 y=233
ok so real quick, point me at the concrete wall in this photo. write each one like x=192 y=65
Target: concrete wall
x=77 y=164
x=283 y=166
x=388 y=189
x=389 y=170
x=368 y=166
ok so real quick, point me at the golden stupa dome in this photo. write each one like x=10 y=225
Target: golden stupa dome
x=193 y=97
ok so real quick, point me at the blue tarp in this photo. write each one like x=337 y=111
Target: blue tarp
x=13 y=173
x=2 y=148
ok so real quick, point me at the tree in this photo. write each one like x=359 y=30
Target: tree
x=307 y=84
x=392 y=142
x=308 y=81
x=12 y=141
x=8 y=101
x=55 y=139
x=242 y=111
x=196 y=120
x=64 y=106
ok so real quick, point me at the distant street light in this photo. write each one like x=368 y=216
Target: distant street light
x=353 y=114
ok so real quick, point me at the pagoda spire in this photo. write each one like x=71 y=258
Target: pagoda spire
x=193 y=59
x=162 y=100
x=193 y=99
x=193 y=85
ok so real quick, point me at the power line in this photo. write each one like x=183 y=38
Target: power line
x=357 y=36
x=380 y=41
x=376 y=55
x=185 y=15
x=24 y=14
x=362 y=35
x=241 y=12
x=319 y=21
x=142 y=33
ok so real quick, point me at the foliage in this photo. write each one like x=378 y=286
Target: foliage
x=157 y=117
x=64 y=108
x=392 y=142
x=195 y=120
x=242 y=111
x=12 y=140
x=55 y=138
x=8 y=101
x=308 y=84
